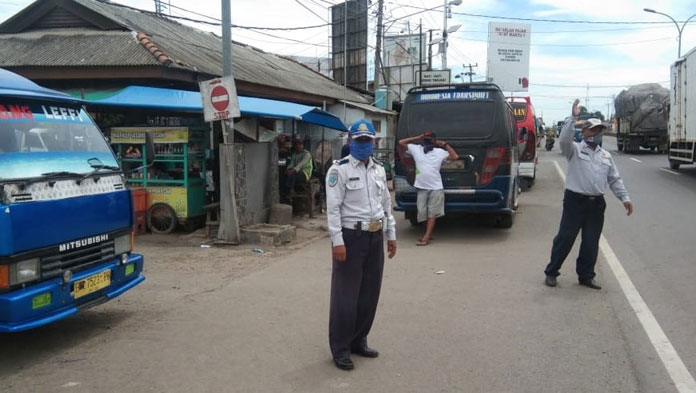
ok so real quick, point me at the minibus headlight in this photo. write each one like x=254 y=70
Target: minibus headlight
x=24 y=271
x=122 y=244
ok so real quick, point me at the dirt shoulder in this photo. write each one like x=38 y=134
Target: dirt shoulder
x=183 y=252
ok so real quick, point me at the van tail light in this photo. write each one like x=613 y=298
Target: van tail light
x=4 y=276
x=494 y=157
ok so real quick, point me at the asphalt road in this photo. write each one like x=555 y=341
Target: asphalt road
x=657 y=248
x=468 y=313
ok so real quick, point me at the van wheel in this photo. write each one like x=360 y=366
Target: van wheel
x=526 y=183
x=505 y=220
x=412 y=218
x=674 y=164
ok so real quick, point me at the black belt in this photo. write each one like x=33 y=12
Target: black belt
x=583 y=196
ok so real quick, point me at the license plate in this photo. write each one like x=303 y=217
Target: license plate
x=92 y=284
x=456 y=164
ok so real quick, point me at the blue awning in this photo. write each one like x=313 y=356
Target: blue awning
x=190 y=101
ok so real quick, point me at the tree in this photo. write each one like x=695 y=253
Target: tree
x=599 y=115
x=583 y=110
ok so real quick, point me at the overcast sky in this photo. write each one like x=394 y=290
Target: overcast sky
x=603 y=55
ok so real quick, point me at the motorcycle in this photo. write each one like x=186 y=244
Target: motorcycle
x=549 y=144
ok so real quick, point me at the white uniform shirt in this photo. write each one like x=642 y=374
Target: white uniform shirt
x=428 y=166
x=589 y=170
x=355 y=192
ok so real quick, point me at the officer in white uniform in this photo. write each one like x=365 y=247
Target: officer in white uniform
x=590 y=170
x=359 y=216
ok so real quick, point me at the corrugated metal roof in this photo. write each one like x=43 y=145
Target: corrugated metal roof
x=189 y=48
x=73 y=47
x=369 y=108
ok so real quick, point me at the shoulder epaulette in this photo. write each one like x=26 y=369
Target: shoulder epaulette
x=377 y=162
x=341 y=162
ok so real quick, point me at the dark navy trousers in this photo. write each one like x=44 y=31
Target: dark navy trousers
x=355 y=287
x=580 y=213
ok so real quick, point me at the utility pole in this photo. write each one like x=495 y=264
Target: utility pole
x=444 y=37
x=420 y=52
x=430 y=50
x=587 y=98
x=228 y=231
x=345 y=58
x=471 y=72
x=378 y=46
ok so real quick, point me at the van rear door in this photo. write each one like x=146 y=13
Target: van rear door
x=472 y=121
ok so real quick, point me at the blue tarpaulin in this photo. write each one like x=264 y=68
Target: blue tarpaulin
x=183 y=100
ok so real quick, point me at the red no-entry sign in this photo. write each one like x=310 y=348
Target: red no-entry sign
x=220 y=98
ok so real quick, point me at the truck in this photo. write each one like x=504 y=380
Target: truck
x=66 y=216
x=682 y=106
x=641 y=118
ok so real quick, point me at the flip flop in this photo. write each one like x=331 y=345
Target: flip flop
x=422 y=243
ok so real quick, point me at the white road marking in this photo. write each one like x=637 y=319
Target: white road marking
x=682 y=378
x=636 y=160
x=668 y=171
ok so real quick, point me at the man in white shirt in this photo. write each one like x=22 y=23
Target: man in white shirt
x=429 y=155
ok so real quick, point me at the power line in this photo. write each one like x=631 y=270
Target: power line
x=218 y=22
x=194 y=13
x=312 y=11
x=545 y=20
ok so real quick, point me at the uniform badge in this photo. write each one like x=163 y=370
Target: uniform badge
x=333 y=178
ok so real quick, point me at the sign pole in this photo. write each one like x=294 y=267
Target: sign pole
x=228 y=231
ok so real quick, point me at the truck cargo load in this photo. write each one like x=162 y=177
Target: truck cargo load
x=641 y=118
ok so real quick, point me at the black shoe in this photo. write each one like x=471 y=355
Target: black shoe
x=365 y=352
x=591 y=283
x=344 y=363
x=551 y=281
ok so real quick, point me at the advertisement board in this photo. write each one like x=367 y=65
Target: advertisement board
x=176 y=197
x=159 y=134
x=508 y=55
x=349 y=30
x=403 y=50
x=433 y=77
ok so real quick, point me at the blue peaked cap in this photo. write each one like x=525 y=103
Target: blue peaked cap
x=362 y=127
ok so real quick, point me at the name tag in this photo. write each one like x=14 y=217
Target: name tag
x=353 y=178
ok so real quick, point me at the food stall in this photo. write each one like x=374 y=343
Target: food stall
x=175 y=183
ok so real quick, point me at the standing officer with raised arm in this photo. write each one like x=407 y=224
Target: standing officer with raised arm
x=590 y=170
x=358 y=206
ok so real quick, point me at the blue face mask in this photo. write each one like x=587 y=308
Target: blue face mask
x=596 y=139
x=361 y=150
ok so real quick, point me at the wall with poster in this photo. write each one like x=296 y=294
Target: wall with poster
x=508 y=55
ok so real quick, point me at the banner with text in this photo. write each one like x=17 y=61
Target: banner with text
x=508 y=55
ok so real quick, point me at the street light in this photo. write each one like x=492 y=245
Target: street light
x=679 y=29
x=445 y=31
